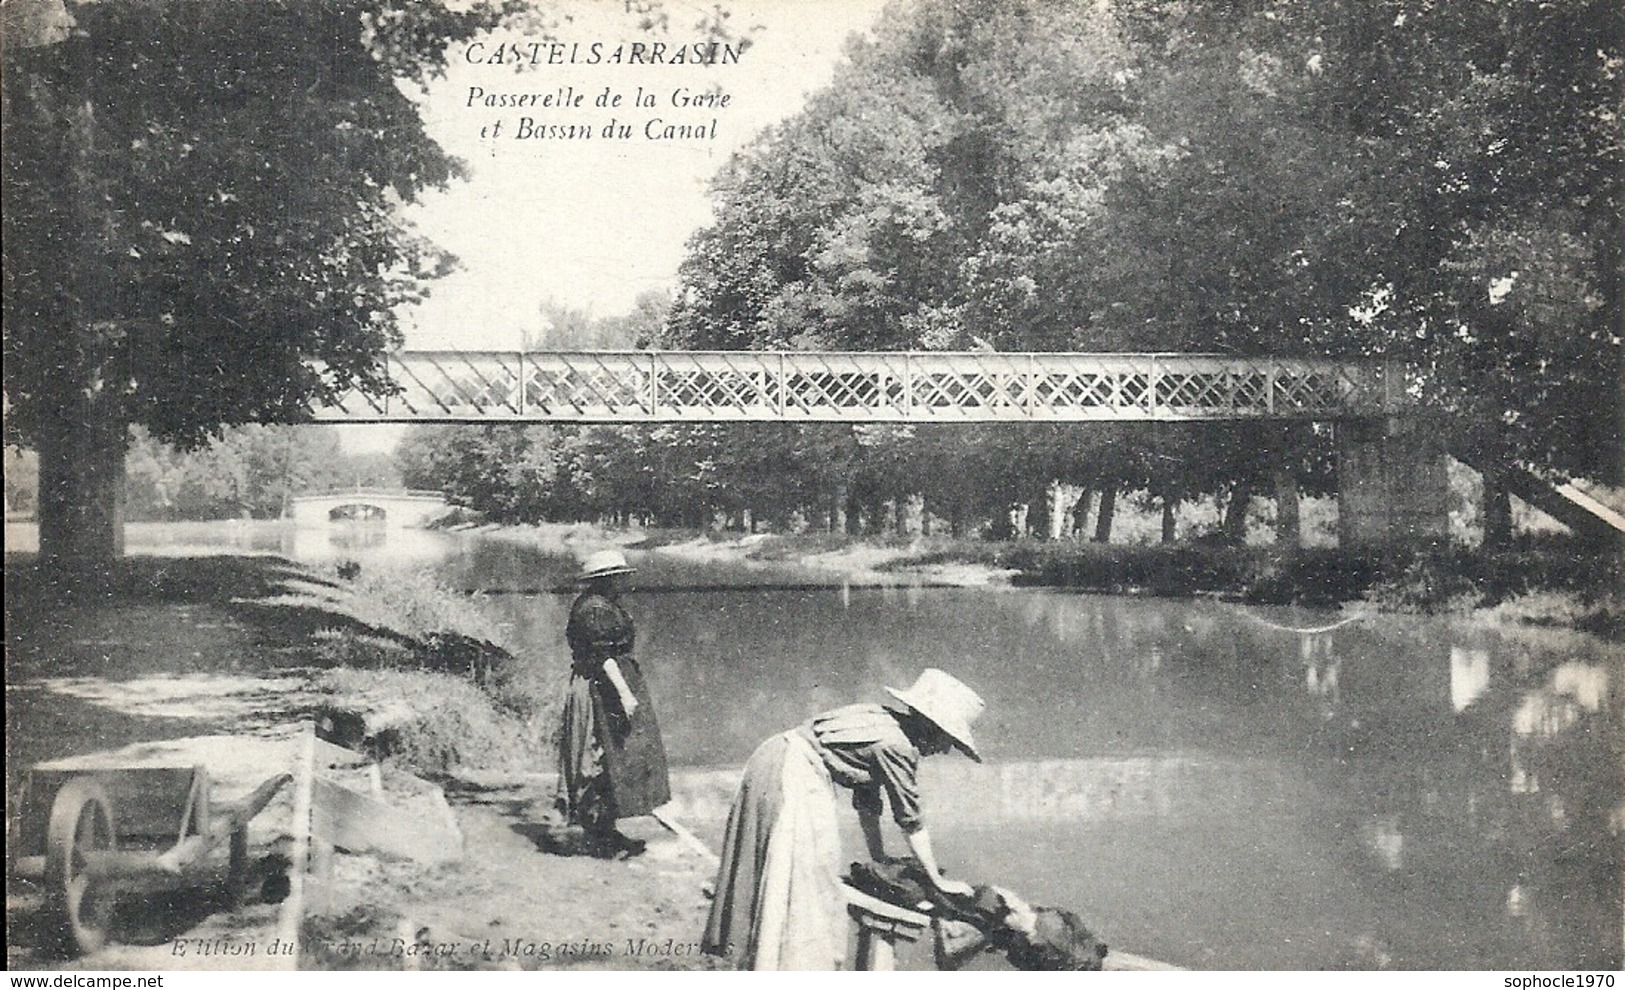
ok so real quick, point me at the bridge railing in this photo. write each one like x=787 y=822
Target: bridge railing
x=401 y=494
x=820 y=386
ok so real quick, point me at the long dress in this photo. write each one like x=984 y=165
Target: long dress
x=610 y=766
x=778 y=901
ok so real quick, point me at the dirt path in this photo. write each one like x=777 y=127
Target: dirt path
x=508 y=906
x=182 y=662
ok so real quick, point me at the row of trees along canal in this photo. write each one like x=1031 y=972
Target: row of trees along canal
x=185 y=231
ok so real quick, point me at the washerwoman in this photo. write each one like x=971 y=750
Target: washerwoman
x=612 y=763
x=778 y=902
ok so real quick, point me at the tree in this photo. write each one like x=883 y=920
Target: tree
x=830 y=231
x=252 y=469
x=200 y=226
x=1510 y=199
x=509 y=472
x=1432 y=183
x=1435 y=183
x=643 y=326
x=571 y=328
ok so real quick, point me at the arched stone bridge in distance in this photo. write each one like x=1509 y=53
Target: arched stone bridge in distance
x=395 y=508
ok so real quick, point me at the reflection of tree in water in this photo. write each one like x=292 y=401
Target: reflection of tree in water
x=1320 y=665
x=1410 y=738
x=1564 y=758
x=1098 y=790
x=1385 y=747
x=358 y=535
x=1554 y=757
x=1469 y=675
x=1503 y=794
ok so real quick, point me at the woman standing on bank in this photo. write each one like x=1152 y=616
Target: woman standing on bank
x=612 y=763
x=778 y=902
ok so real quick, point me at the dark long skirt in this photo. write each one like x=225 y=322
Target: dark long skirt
x=610 y=766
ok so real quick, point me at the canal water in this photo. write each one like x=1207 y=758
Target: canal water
x=1214 y=786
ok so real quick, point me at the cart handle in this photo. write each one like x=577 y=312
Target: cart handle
x=239 y=812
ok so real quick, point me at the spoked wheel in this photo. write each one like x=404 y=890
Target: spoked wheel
x=79 y=901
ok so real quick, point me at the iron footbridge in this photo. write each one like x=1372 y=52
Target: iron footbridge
x=863 y=387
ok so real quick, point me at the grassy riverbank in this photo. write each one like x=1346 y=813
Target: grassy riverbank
x=1550 y=580
x=366 y=642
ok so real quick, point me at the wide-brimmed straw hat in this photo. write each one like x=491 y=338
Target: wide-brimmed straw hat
x=948 y=702
x=604 y=563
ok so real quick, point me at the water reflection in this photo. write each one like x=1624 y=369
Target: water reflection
x=369 y=541
x=1384 y=839
x=1074 y=791
x=352 y=535
x=1469 y=675
x=1320 y=665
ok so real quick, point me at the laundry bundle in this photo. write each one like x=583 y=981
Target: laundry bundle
x=990 y=920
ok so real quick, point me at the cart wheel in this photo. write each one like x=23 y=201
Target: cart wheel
x=80 y=904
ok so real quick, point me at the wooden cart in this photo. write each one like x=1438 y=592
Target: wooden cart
x=86 y=833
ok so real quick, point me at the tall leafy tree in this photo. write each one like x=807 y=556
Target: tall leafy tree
x=200 y=225
x=511 y=473
x=1433 y=183
x=1498 y=168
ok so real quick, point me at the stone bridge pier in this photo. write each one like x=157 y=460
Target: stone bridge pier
x=1393 y=488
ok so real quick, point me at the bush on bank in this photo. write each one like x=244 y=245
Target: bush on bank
x=1443 y=579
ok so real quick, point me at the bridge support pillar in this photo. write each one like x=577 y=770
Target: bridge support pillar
x=1392 y=485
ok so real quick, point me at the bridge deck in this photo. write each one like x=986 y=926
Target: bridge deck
x=816 y=386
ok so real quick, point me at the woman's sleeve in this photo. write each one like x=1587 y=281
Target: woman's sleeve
x=897 y=771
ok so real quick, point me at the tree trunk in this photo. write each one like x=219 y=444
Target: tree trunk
x=1018 y=520
x=1170 y=521
x=1080 y=512
x=911 y=518
x=837 y=508
x=1497 y=511
x=1235 y=514
x=1108 y=508
x=81 y=451
x=1287 y=524
x=81 y=512
x=1062 y=498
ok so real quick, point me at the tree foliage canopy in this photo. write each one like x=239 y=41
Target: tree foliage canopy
x=1433 y=183
x=1436 y=183
x=200 y=228
x=200 y=214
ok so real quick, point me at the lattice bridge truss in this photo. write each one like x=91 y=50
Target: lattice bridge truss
x=845 y=386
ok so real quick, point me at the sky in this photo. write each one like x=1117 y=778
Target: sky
x=593 y=223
